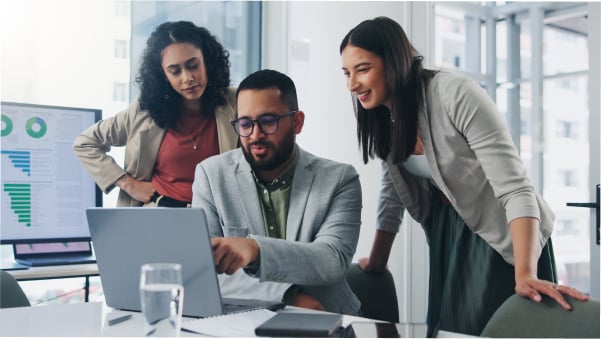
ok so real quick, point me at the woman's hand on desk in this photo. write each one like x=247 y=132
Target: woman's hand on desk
x=304 y=300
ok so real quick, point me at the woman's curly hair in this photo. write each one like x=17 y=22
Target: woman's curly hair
x=156 y=94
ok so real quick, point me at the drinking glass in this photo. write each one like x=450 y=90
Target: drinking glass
x=162 y=299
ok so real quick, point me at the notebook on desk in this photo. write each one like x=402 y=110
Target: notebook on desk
x=300 y=325
x=126 y=238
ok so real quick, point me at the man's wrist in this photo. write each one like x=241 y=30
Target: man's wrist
x=253 y=267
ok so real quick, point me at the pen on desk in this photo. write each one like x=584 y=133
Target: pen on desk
x=118 y=320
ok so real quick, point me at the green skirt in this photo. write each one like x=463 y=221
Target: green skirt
x=469 y=280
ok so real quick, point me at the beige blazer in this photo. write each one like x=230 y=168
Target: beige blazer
x=474 y=163
x=137 y=131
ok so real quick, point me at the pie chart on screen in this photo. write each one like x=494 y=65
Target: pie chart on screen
x=36 y=127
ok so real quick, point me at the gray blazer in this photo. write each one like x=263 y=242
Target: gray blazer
x=321 y=234
x=474 y=163
x=142 y=138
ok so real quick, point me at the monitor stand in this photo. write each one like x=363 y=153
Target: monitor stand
x=7 y=262
x=54 y=253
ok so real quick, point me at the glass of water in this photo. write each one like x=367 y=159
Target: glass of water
x=162 y=299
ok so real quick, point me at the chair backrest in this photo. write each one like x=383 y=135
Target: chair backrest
x=11 y=294
x=377 y=293
x=522 y=317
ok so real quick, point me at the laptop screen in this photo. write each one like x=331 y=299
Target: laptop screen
x=52 y=248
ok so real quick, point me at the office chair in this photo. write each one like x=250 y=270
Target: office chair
x=377 y=293
x=11 y=294
x=521 y=317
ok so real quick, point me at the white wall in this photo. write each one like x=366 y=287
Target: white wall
x=314 y=31
x=302 y=40
x=594 y=28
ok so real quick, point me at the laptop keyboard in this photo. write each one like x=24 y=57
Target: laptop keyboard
x=56 y=261
x=234 y=308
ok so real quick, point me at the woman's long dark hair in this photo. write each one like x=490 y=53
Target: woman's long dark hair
x=405 y=79
x=157 y=96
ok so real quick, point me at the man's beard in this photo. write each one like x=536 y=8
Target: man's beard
x=279 y=157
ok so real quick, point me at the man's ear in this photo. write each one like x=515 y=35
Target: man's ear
x=299 y=121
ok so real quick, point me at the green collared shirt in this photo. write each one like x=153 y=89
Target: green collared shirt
x=275 y=200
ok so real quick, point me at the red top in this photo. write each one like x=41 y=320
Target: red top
x=174 y=169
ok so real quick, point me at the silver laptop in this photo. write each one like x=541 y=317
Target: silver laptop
x=126 y=238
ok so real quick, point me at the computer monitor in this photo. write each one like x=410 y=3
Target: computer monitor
x=44 y=189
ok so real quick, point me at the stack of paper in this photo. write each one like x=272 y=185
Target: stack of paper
x=241 y=324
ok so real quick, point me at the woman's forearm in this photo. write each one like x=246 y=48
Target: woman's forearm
x=380 y=251
x=526 y=248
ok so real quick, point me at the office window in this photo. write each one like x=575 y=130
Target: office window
x=565 y=227
x=541 y=75
x=567 y=178
x=450 y=37
x=569 y=84
x=121 y=47
x=236 y=24
x=565 y=43
x=122 y=8
x=120 y=92
x=566 y=129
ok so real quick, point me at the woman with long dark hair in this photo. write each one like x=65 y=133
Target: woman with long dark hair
x=181 y=117
x=448 y=160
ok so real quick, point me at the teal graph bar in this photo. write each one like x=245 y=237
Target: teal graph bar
x=20 y=201
x=21 y=160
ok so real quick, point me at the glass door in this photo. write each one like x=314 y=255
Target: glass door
x=564 y=146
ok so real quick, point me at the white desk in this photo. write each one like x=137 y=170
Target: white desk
x=58 y=272
x=67 y=320
x=55 y=272
x=90 y=320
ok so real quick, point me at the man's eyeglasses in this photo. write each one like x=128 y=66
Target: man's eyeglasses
x=268 y=124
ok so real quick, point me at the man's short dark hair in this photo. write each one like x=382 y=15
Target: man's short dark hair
x=268 y=78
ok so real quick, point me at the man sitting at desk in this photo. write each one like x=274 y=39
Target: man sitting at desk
x=288 y=218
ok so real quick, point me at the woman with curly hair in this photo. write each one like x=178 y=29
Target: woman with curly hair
x=181 y=117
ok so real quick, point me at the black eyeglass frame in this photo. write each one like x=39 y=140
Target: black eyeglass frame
x=277 y=118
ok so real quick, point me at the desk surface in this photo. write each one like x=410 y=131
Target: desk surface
x=68 y=320
x=53 y=272
x=43 y=272
x=90 y=320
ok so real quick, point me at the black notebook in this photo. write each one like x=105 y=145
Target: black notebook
x=300 y=325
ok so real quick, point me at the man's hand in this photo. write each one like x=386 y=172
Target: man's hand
x=232 y=254
x=304 y=300
x=139 y=190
